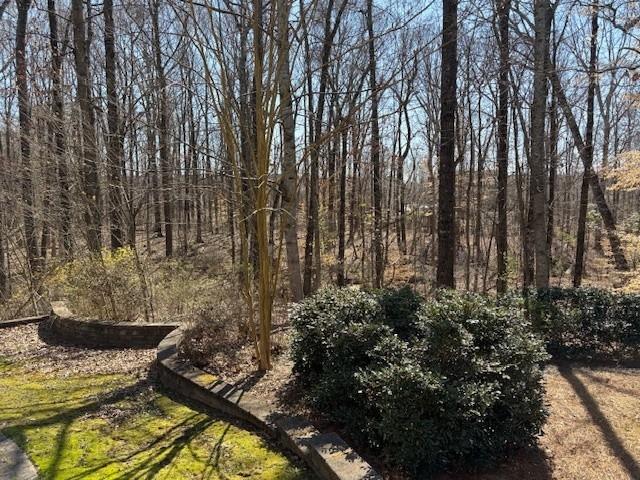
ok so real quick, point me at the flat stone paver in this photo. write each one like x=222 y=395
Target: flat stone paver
x=14 y=463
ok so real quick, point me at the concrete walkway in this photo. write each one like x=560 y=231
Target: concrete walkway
x=14 y=464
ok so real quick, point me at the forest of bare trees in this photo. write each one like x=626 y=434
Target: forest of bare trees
x=333 y=141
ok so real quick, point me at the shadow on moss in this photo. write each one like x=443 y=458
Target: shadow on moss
x=116 y=426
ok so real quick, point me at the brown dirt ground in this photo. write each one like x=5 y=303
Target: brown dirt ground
x=593 y=431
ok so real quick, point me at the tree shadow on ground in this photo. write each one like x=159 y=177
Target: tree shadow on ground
x=64 y=417
x=249 y=381
x=163 y=455
x=166 y=445
x=596 y=379
x=598 y=417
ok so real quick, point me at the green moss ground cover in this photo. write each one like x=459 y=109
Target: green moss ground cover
x=117 y=427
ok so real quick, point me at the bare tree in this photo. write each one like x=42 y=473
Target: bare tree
x=542 y=18
x=447 y=168
x=114 y=142
x=375 y=155
x=289 y=183
x=24 y=108
x=502 y=154
x=91 y=187
x=163 y=131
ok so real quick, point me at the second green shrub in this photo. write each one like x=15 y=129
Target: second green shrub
x=455 y=380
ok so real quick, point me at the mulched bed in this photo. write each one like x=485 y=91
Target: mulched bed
x=23 y=345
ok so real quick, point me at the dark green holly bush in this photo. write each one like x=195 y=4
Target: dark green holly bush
x=458 y=381
x=400 y=309
x=578 y=322
x=321 y=320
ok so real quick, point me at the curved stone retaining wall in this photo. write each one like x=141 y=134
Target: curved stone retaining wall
x=65 y=327
x=327 y=454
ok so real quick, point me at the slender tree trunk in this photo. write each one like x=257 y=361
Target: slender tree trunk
x=467 y=214
x=91 y=187
x=401 y=222
x=114 y=142
x=588 y=152
x=553 y=167
x=342 y=201
x=247 y=148
x=477 y=256
x=4 y=278
x=502 y=153
x=50 y=176
x=153 y=178
x=24 y=111
x=447 y=168
x=58 y=127
x=163 y=128
x=375 y=156
x=289 y=184
x=230 y=203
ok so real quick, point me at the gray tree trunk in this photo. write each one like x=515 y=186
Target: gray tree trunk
x=289 y=183
x=542 y=18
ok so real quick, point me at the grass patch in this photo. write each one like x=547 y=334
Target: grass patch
x=115 y=426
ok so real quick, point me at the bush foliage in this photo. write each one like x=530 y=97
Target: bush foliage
x=121 y=286
x=106 y=285
x=454 y=380
x=586 y=321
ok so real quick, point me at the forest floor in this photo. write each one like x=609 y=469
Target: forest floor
x=203 y=274
x=99 y=415
x=593 y=431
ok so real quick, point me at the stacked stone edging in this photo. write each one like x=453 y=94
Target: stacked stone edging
x=63 y=326
x=327 y=454
x=22 y=321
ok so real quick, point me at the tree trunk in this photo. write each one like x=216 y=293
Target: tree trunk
x=479 y=194
x=542 y=16
x=24 y=112
x=114 y=142
x=58 y=126
x=262 y=168
x=163 y=126
x=467 y=209
x=447 y=167
x=342 y=200
x=502 y=154
x=553 y=167
x=588 y=152
x=91 y=187
x=4 y=278
x=375 y=156
x=289 y=184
